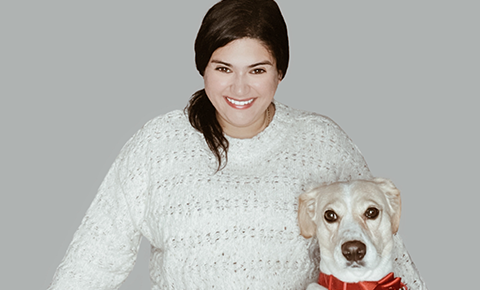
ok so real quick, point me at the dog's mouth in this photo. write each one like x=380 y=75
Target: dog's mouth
x=355 y=265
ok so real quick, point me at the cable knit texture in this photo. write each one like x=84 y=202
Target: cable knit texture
x=232 y=229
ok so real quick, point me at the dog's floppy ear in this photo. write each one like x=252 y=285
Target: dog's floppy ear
x=394 y=201
x=306 y=213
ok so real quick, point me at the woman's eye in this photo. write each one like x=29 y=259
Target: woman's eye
x=372 y=213
x=223 y=69
x=330 y=216
x=258 y=71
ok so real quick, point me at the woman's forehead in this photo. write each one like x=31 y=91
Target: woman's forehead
x=243 y=52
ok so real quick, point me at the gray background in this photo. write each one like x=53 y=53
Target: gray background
x=78 y=78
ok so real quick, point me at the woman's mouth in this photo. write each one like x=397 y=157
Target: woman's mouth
x=240 y=104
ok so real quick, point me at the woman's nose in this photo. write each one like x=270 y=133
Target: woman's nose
x=240 y=85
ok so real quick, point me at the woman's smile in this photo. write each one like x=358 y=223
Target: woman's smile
x=240 y=105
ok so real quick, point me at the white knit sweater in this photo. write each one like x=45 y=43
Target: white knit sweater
x=234 y=229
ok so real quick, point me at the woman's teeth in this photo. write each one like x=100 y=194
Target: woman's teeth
x=240 y=103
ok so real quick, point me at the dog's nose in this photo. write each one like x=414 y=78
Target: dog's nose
x=354 y=251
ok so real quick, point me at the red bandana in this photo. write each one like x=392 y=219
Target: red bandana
x=389 y=282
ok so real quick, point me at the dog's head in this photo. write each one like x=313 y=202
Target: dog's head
x=354 y=223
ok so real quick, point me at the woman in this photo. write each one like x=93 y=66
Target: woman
x=214 y=189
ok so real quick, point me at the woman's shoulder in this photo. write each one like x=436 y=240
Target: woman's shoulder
x=305 y=120
x=174 y=118
x=162 y=127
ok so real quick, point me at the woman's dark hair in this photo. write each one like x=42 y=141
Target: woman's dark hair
x=225 y=22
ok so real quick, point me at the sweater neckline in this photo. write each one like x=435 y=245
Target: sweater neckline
x=245 y=151
x=267 y=132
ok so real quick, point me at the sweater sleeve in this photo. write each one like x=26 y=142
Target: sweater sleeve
x=404 y=267
x=104 y=248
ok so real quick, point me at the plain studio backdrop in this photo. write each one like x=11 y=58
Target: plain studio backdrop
x=79 y=78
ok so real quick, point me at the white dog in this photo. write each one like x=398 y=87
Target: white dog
x=354 y=223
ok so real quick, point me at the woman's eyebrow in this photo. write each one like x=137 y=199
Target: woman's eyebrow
x=266 y=62
x=221 y=62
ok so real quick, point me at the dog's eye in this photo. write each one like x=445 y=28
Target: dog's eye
x=372 y=213
x=330 y=216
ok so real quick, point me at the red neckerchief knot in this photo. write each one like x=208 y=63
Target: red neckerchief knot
x=389 y=282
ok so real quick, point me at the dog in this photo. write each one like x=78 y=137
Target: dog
x=354 y=223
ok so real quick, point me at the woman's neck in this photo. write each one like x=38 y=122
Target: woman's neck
x=252 y=131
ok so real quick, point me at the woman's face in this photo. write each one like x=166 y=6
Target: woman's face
x=240 y=80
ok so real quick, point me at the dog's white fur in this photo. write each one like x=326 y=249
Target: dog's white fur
x=350 y=201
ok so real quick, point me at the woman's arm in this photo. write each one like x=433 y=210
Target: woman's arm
x=104 y=248
x=404 y=267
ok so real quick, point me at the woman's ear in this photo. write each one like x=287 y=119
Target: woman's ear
x=306 y=214
x=280 y=75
